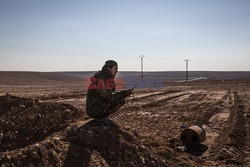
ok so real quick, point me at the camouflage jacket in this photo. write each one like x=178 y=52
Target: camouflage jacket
x=101 y=95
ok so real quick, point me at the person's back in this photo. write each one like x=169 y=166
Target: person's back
x=102 y=99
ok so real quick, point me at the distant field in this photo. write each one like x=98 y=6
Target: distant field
x=174 y=75
x=69 y=78
x=74 y=77
x=38 y=78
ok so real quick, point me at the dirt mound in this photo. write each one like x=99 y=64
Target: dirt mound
x=25 y=120
x=103 y=143
x=95 y=143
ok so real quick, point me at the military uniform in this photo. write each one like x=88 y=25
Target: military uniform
x=102 y=99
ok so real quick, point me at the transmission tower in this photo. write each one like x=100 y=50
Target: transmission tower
x=142 y=56
x=187 y=69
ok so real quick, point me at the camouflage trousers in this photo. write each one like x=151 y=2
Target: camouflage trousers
x=110 y=107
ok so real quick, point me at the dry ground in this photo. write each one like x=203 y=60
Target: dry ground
x=48 y=126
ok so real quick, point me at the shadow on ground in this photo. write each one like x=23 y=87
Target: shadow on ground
x=100 y=143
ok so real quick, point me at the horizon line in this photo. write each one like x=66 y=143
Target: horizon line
x=133 y=71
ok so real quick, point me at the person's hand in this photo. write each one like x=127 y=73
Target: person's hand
x=129 y=92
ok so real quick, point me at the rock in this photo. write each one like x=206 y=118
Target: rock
x=8 y=156
x=67 y=110
x=142 y=159
x=24 y=156
x=56 y=158
x=31 y=165
x=42 y=151
x=8 y=97
x=127 y=128
x=90 y=132
x=1 y=136
x=34 y=155
x=52 y=154
x=135 y=132
x=7 y=134
x=182 y=148
x=56 y=140
x=5 y=165
x=74 y=128
x=21 y=106
x=35 y=101
x=153 y=163
x=13 y=135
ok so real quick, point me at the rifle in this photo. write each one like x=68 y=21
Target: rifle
x=132 y=93
x=132 y=88
x=129 y=90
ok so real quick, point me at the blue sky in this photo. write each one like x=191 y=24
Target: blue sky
x=80 y=35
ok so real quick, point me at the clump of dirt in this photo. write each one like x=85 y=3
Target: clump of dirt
x=105 y=144
x=26 y=120
x=95 y=143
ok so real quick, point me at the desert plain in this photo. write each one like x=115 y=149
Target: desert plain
x=43 y=122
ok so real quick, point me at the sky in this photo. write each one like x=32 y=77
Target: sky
x=80 y=35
